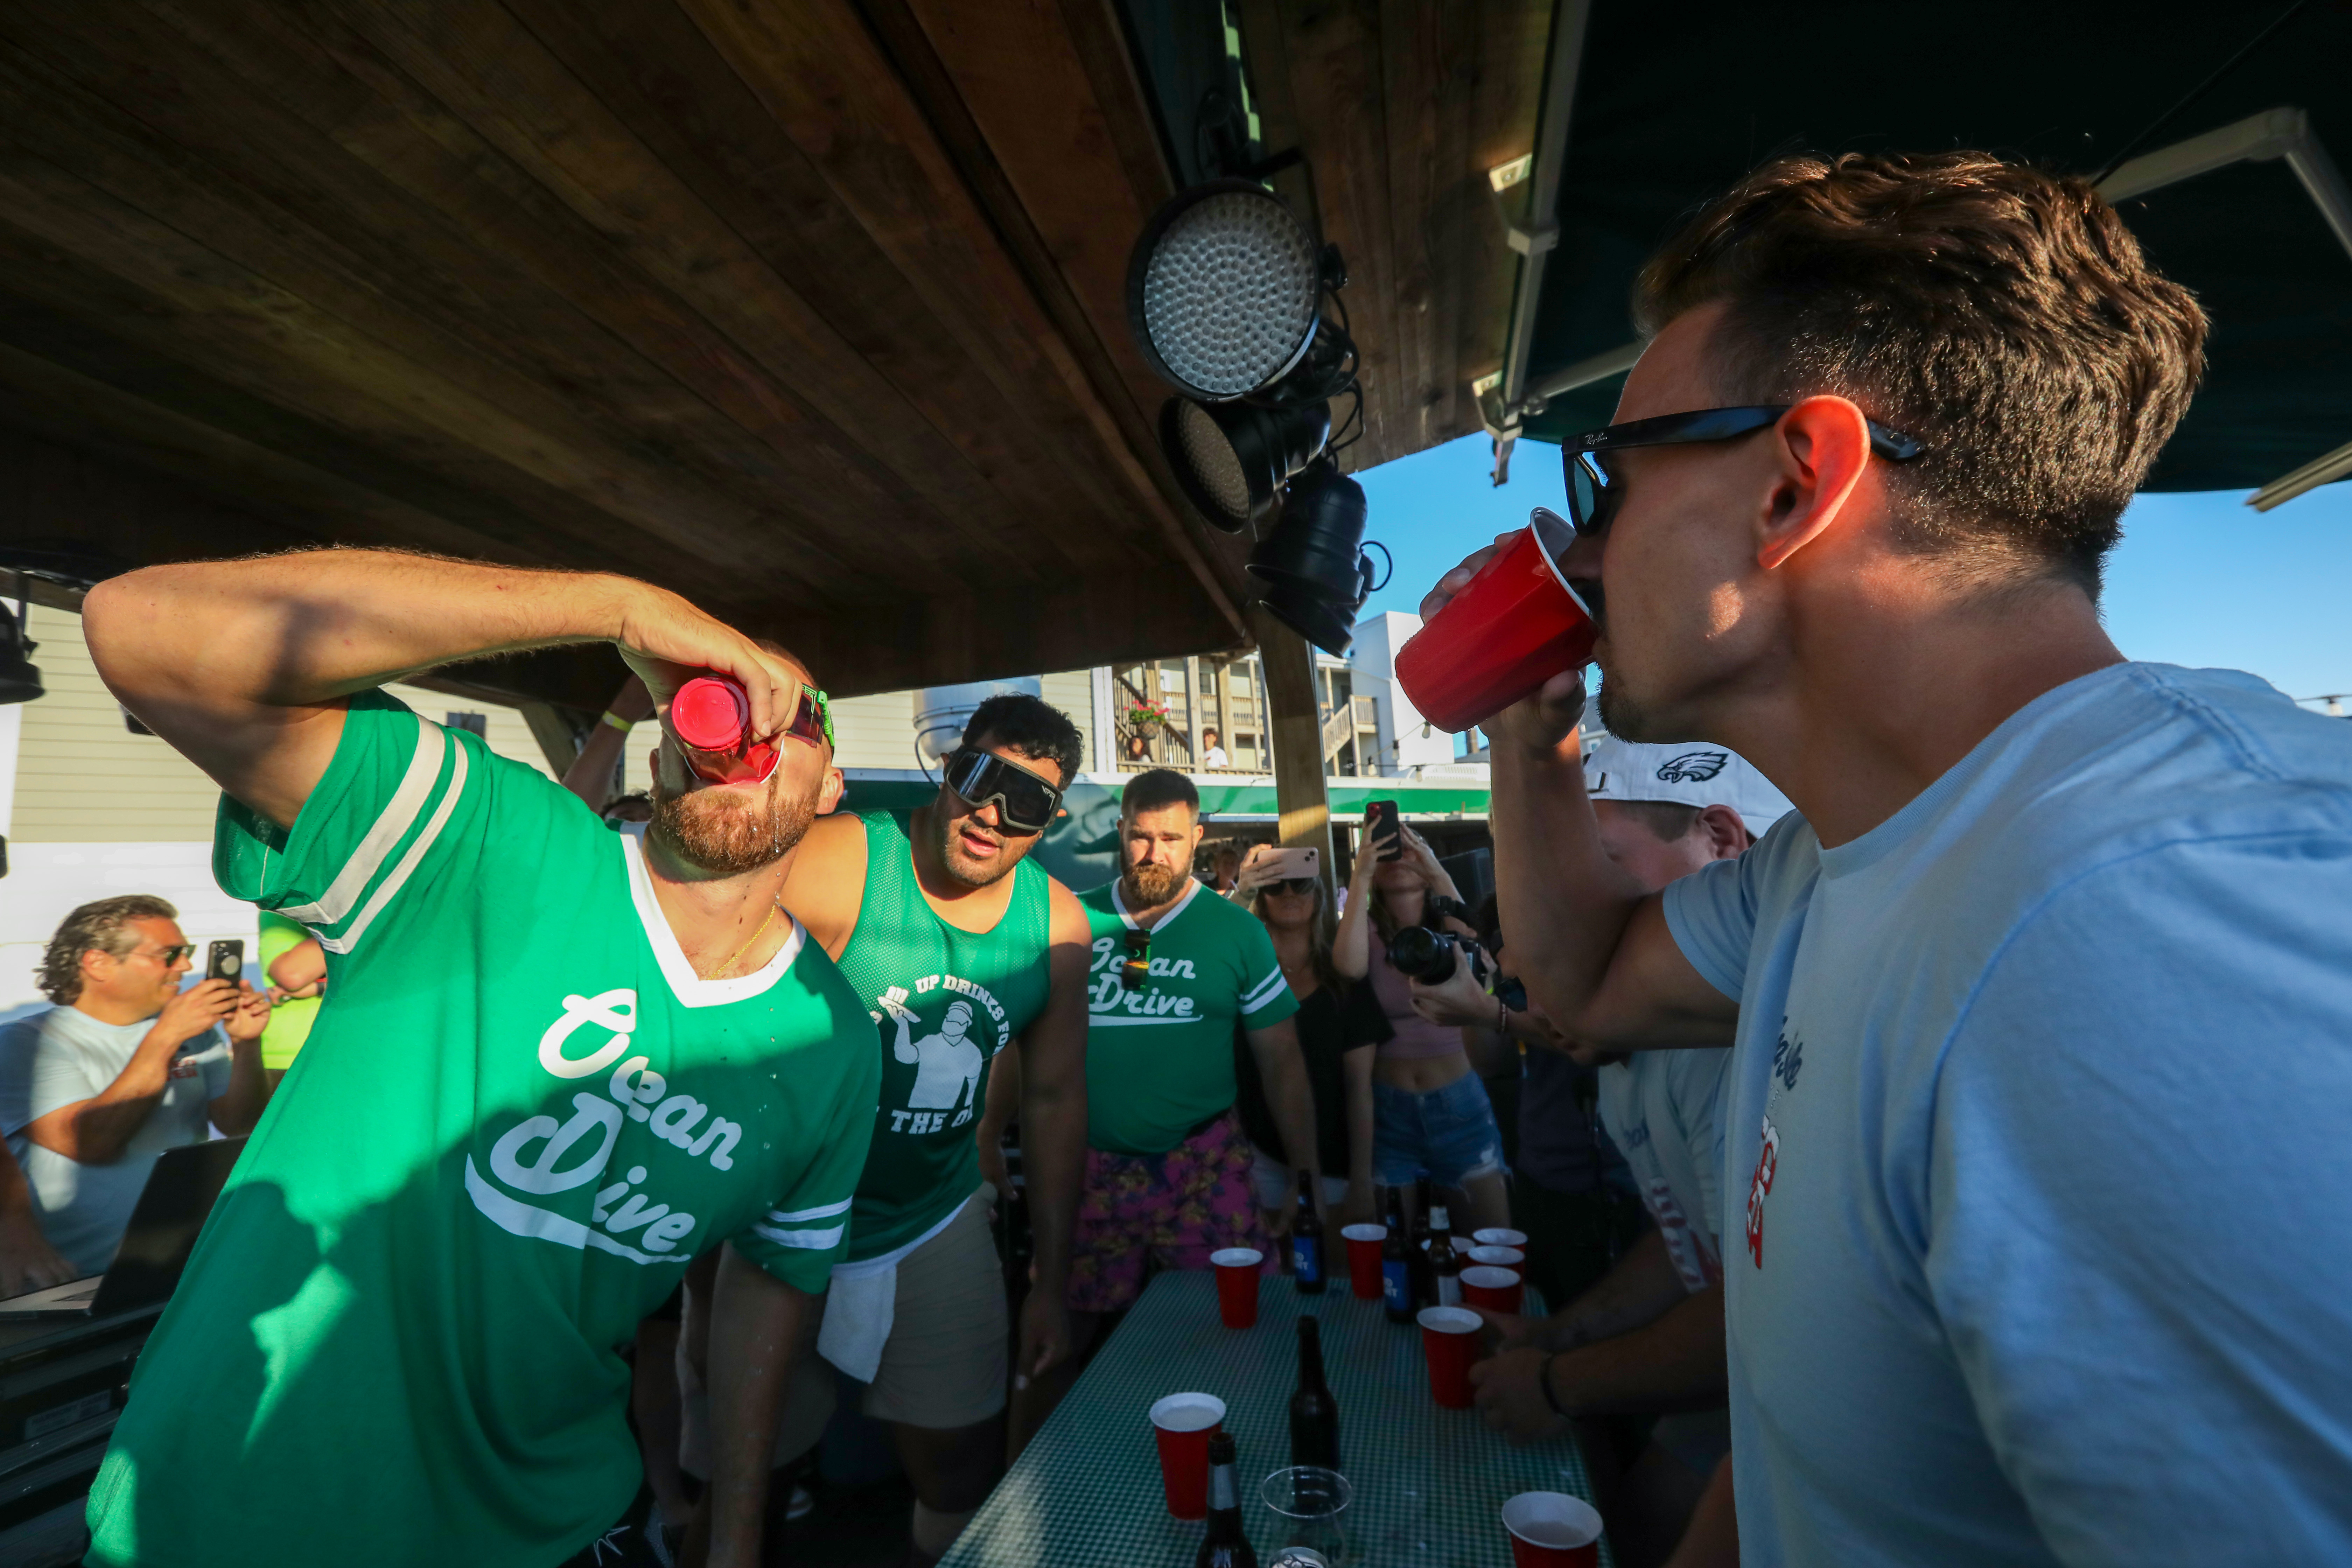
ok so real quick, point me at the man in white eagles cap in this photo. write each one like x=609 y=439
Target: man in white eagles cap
x=1649 y=1336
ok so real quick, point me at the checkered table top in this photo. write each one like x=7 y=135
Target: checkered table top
x=1429 y=1483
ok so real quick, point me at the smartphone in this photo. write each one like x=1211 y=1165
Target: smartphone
x=225 y=961
x=1295 y=865
x=1381 y=821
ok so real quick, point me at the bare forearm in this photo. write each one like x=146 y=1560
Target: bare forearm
x=240 y=1109
x=1673 y=1363
x=1644 y=1285
x=1053 y=1164
x=1359 y=1072
x=297 y=630
x=589 y=776
x=1563 y=900
x=754 y=1329
x=1287 y=1095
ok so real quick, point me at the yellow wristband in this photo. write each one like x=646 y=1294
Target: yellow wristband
x=617 y=722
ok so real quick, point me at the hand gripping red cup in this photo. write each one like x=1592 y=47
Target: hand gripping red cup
x=1496 y=1289
x=1364 y=1259
x=1449 y=1338
x=1512 y=627
x=1237 y=1274
x=1552 y=1529
x=1183 y=1422
x=711 y=717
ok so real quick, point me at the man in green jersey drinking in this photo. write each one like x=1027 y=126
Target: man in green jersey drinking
x=1175 y=971
x=960 y=948
x=561 y=1061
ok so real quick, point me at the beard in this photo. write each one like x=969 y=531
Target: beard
x=1151 y=884
x=962 y=869
x=1623 y=714
x=727 y=835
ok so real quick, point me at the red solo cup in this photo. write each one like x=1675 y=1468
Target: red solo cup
x=1512 y=627
x=1497 y=1290
x=1182 y=1423
x=1449 y=1337
x=1364 y=1259
x=711 y=717
x=1498 y=1236
x=1552 y=1529
x=1500 y=1257
x=1237 y=1271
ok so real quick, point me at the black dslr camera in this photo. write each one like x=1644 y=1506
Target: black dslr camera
x=1429 y=956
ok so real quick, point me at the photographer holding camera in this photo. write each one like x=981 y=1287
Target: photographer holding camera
x=1430 y=1112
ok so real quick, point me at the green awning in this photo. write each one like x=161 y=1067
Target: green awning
x=1674 y=103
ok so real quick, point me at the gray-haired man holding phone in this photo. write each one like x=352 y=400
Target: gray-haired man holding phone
x=126 y=1065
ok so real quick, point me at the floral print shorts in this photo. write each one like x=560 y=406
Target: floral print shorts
x=1174 y=1209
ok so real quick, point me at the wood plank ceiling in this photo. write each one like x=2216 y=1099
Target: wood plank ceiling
x=811 y=309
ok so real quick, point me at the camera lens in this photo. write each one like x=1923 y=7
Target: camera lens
x=1424 y=954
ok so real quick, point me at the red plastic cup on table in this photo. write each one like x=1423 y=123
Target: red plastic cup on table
x=711 y=716
x=1449 y=1337
x=1364 y=1259
x=1496 y=1235
x=1182 y=1423
x=1552 y=1529
x=1512 y=627
x=1237 y=1274
x=1497 y=1290
x=1499 y=1257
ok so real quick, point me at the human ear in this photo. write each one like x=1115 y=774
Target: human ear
x=1823 y=446
x=1726 y=836
x=828 y=794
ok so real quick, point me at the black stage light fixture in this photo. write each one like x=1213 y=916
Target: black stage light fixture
x=1233 y=460
x=1314 y=565
x=20 y=677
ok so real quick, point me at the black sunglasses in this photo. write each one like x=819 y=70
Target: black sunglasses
x=1593 y=496
x=1138 y=967
x=1024 y=803
x=1295 y=884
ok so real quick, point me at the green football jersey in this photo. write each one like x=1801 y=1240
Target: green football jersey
x=1159 y=1059
x=945 y=1001
x=395 y=1342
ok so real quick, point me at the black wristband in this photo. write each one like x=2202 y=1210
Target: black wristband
x=1543 y=1381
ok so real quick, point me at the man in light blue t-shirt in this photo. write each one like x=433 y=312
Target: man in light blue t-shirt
x=2041 y=1004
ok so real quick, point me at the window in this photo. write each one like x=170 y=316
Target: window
x=477 y=724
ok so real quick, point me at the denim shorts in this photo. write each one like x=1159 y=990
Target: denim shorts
x=1450 y=1132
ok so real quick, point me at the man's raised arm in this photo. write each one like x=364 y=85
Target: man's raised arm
x=242 y=666
x=1591 y=947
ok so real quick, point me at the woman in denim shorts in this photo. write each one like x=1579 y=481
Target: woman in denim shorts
x=1429 y=1108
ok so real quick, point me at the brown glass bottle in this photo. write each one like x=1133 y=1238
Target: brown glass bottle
x=1425 y=1289
x=1308 y=1276
x=1444 y=1263
x=1396 y=1265
x=1225 y=1545
x=1314 y=1414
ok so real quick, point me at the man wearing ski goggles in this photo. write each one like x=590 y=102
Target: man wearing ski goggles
x=1026 y=802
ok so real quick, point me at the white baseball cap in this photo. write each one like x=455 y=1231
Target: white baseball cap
x=1690 y=774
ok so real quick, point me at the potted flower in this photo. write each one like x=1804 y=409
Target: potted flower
x=1147 y=716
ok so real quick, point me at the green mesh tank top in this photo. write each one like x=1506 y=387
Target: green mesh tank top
x=944 y=1002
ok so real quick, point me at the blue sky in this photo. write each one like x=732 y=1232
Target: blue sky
x=2200 y=579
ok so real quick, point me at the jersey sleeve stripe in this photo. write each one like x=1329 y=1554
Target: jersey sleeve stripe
x=392 y=823
x=814 y=1240
x=1266 y=991
x=399 y=873
x=821 y=1211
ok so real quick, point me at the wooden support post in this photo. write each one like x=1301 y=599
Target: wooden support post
x=1296 y=729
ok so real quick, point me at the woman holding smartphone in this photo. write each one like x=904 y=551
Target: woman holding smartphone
x=1339 y=1024
x=1430 y=1111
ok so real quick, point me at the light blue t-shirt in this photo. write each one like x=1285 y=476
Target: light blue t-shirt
x=2039 y=1162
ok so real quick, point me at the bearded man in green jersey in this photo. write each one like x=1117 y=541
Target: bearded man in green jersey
x=561 y=1061
x=961 y=950
x=1174 y=972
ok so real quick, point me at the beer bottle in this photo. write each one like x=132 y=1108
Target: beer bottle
x=1396 y=1265
x=1314 y=1414
x=1225 y=1545
x=1306 y=1243
x=1444 y=1263
x=1424 y=1290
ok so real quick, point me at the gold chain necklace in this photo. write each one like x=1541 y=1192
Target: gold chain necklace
x=774 y=904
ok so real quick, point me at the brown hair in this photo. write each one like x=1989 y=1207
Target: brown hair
x=2001 y=315
x=105 y=926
